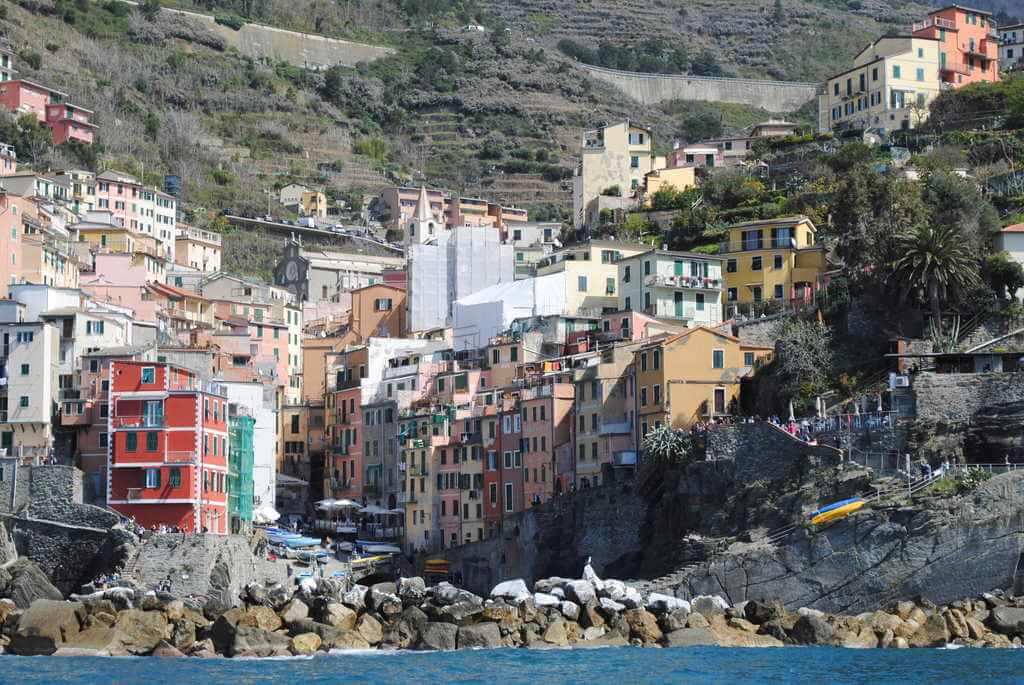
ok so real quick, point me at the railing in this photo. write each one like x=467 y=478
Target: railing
x=683 y=282
x=955 y=67
x=419 y=471
x=137 y=421
x=180 y=457
x=845 y=423
x=937 y=22
x=753 y=245
x=339 y=450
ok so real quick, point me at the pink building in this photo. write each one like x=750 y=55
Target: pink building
x=69 y=122
x=25 y=97
x=547 y=423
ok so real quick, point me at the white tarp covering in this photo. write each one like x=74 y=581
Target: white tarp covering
x=489 y=312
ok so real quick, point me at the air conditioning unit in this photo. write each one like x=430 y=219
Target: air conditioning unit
x=901 y=381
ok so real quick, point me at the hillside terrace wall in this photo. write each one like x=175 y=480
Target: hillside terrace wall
x=766 y=452
x=958 y=397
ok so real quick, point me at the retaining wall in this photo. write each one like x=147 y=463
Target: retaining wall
x=650 y=89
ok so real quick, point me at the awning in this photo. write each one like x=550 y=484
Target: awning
x=142 y=395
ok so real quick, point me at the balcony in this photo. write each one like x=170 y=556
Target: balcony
x=980 y=50
x=787 y=242
x=140 y=422
x=419 y=471
x=952 y=67
x=620 y=428
x=677 y=282
x=936 y=22
x=624 y=459
x=407 y=498
x=180 y=457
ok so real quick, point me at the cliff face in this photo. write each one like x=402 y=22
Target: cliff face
x=938 y=549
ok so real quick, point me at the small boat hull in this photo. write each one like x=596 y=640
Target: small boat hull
x=837 y=513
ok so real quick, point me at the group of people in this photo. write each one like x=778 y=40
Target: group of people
x=102 y=581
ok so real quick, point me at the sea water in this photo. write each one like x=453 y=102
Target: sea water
x=614 y=666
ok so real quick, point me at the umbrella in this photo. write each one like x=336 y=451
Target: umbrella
x=373 y=509
x=879 y=403
x=327 y=504
x=791 y=416
x=347 y=504
x=265 y=514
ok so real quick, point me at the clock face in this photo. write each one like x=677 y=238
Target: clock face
x=291 y=271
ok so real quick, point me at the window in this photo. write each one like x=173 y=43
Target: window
x=657 y=394
x=513 y=354
x=94 y=328
x=730 y=266
x=24 y=336
x=643 y=397
x=920 y=74
x=777 y=261
x=508 y=497
x=382 y=304
x=896 y=71
x=647 y=268
x=609 y=287
x=756 y=293
x=634 y=162
x=103 y=440
x=625 y=274
x=152 y=437
x=718 y=359
x=152 y=478
x=23 y=401
x=719 y=400
x=175 y=478
x=647 y=301
x=643 y=361
x=94 y=366
x=778 y=292
x=24 y=369
x=656 y=361
x=920 y=53
x=581 y=284
x=730 y=294
x=131 y=442
x=629 y=304
x=493 y=493
x=636 y=138
x=755 y=263
x=748 y=359
x=148 y=374
x=835 y=88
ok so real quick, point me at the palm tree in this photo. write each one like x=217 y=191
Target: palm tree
x=936 y=263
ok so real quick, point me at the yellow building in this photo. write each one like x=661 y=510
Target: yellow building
x=774 y=259
x=614 y=161
x=313 y=203
x=591 y=274
x=680 y=178
x=693 y=375
x=888 y=87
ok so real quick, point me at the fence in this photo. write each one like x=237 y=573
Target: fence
x=841 y=423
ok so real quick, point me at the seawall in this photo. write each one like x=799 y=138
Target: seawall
x=650 y=89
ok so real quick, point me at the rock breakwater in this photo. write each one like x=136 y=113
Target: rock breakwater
x=325 y=615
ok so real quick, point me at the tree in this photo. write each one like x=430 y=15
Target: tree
x=1003 y=274
x=700 y=126
x=669 y=446
x=935 y=265
x=804 y=358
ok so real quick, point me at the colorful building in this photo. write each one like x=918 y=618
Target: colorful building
x=681 y=287
x=168 y=447
x=198 y=249
x=591 y=274
x=967 y=41
x=1011 y=46
x=240 y=469
x=775 y=260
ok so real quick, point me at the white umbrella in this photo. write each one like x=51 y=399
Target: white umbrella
x=347 y=504
x=791 y=416
x=265 y=514
x=327 y=504
x=373 y=510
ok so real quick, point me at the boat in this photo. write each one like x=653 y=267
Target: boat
x=380 y=548
x=837 y=511
x=834 y=505
x=298 y=541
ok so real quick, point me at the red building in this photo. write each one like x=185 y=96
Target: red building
x=66 y=121
x=168 y=447
x=968 y=44
x=503 y=478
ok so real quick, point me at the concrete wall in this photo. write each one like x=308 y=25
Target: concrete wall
x=958 y=397
x=300 y=49
x=650 y=89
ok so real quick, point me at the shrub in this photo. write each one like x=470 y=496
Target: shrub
x=375 y=148
x=232 y=21
x=612 y=191
x=32 y=58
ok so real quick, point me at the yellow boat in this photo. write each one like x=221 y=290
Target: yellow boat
x=838 y=512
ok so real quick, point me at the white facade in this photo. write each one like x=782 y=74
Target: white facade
x=1011 y=46
x=42 y=298
x=483 y=315
x=261 y=402
x=679 y=286
x=29 y=383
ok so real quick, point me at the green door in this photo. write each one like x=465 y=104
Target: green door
x=679 y=304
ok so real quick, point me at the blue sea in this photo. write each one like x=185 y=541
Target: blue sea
x=617 y=666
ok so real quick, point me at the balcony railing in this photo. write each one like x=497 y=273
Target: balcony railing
x=753 y=245
x=698 y=282
x=180 y=457
x=954 y=67
x=137 y=421
x=937 y=22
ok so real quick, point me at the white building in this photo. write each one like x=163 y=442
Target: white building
x=28 y=384
x=261 y=401
x=488 y=313
x=1011 y=46
x=333 y=273
x=682 y=287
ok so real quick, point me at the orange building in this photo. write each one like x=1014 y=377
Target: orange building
x=968 y=44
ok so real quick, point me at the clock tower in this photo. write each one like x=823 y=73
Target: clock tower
x=292 y=272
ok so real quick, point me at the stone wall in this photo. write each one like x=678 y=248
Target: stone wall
x=765 y=452
x=300 y=49
x=758 y=331
x=210 y=565
x=650 y=89
x=958 y=397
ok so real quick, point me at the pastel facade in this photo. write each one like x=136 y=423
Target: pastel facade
x=1011 y=46
x=198 y=249
x=591 y=274
x=681 y=287
x=968 y=44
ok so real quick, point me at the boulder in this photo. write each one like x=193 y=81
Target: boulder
x=386 y=604
x=556 y=633
x=570 y=610
x=347 y=639
x=165 y=649
x=697 y=621
x=662 y=604
x=267 y=619
x=932 y=633
x=708 y=605
x=101 y=640
x=762 y=612
x=558 y=592
x=142 y=630
x=183 y=634
x=292 y=611
x=542 y=599
x=514 y=591
x=810 y=629
x=549 y=584
x=590 y=617
x=609 y=606
x=412 y=590
x=674 y=620
x=308 y=625
x=174 y=610
x=956 y=624
x=614 y=590
x=633 y=599
x=643 y=625
x=305 y=644
x=24 y=582
x=255 y=642
x=339 y=616
x=690 y=637
x=460 y=613
x=1007 y=620
x=46 y=625
x=590 y=576
x=506 y=616
x=355 y=598
x=481 y=635
x=415 y=617
x=370 y=629
x=438 y=636
x=593 y=633
x=580 y=591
